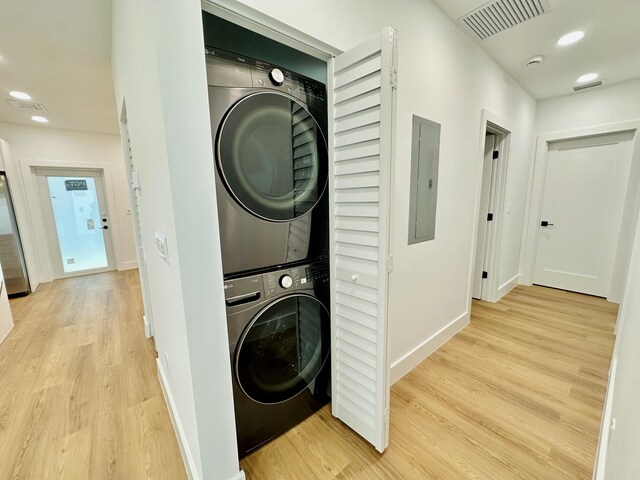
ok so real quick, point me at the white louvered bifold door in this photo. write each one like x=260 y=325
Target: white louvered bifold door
x=361 y=125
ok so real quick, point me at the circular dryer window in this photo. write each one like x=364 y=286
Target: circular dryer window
x=283 y=349
x=272 y=156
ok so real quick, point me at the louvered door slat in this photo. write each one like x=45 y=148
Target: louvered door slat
x=361 y=99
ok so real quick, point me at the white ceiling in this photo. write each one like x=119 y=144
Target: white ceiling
x=611 y=46
x=60 y=53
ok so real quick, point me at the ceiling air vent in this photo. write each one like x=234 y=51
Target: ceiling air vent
x=499 y=15
x=587 y=85
x=29 y=105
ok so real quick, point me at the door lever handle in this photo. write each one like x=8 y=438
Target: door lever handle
x=545 y=223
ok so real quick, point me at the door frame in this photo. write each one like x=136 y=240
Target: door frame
x=44 y=259
x=536 y=188
x=49 y=225
x=492 y=291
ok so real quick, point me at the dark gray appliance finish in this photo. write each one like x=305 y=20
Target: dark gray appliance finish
x=279 y=341
x=269 y=137
x=12 y=260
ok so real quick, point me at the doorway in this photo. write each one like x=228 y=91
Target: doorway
x=484 y=284
x=583 y=200
x=76 y=221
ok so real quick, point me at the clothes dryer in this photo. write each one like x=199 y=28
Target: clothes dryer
x=279 y=338
x=268 y=129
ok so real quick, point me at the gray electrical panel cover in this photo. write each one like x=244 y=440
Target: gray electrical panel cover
x=425 y=152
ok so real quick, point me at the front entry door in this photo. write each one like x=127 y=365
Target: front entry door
x=583 y=200
x=76 y=220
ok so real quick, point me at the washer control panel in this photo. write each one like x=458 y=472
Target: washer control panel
x=295 y=278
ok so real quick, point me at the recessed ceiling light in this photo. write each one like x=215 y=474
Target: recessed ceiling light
x=570 y=38
x=39 y=119
x=20 y=95
x=587 y=77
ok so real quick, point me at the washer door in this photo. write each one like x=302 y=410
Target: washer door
x=272 y=156
x=283 y=349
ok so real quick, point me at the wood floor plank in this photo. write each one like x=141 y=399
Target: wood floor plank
x=79 y=396
x=518 y=394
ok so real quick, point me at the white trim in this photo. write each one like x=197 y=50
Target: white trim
x=507 y=286
x=412 y=359
x=494 y=123
x=187 y=456
x=605 y=424
x=536 y=186
x=130 y=265
x=239 y=476
x=28 y=171
x=256 y=21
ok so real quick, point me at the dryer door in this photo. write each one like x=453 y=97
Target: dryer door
x=283 y=349
x=272 y=156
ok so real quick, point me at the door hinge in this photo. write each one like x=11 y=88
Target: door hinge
x=489 y=217
x=485 y=275
x=393 y=77
x=389 y=264
x=495 y=154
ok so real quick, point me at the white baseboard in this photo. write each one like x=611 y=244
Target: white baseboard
x=508 y=286
x=187 y=457
x=130 y=265
x=605 y=424
x=239 y=476
x=408 y=362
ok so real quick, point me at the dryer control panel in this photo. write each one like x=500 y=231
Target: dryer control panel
x=226 y=69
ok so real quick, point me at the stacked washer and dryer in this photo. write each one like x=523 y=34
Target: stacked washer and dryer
x=269 y=130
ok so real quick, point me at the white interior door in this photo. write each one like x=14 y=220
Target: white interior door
x=483 y=221
x=361 y=123
x=76 y=221
x=583 y=200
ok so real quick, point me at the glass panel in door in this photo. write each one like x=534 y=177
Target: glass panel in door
x=79 y=225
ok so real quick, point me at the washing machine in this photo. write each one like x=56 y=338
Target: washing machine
x=279 y=338
x=269 y=136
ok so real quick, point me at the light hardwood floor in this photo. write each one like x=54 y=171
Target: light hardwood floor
x=517 y=394
x=79 y=395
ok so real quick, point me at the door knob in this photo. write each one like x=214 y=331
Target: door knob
x=545 y=223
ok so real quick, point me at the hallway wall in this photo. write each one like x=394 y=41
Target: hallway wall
x=55 y=147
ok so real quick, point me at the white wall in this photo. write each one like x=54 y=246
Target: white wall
x=618 y=450
x=54 y=147
x=445 y=77
x=159 y=70
x=608 y=104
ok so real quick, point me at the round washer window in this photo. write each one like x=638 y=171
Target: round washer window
x=272 y=156
x=283 y=349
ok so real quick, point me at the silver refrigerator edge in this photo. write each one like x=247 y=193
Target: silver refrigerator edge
x=14 y=268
